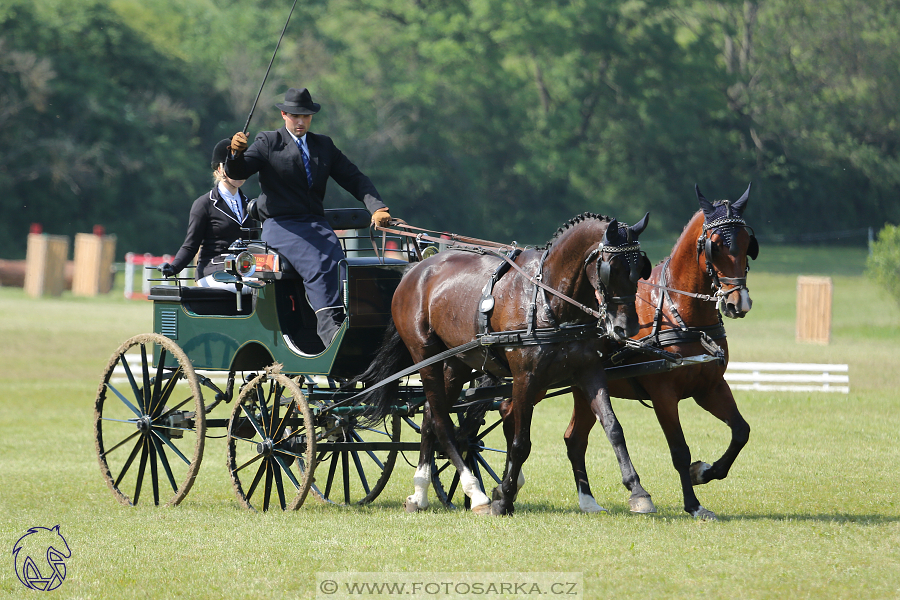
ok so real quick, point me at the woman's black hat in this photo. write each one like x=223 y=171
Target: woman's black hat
x=298 y=102
x=220 y=153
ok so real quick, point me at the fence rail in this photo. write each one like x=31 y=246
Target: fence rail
x=788 y=377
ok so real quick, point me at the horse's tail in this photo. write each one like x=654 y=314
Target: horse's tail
x=393 y=356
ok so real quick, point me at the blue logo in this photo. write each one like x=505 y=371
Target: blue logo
x=40 y=557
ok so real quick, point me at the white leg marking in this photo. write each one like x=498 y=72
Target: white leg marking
x=472 y=489
x=521 y=481
x=588 y=504
x=421 y=481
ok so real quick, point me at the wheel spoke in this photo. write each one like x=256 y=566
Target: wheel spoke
x=134 y=385
x=169 y=443
x=264 y=407
x=249 y=462
x=259 y=473
x=267 y=492
x=167 y=391
x=371 y=454
x=145 y=370
x=283 y=422
x=287 y=471
x=484 y=464
x=331 y=469
x=157 y=382
x=141 y=468
x=362 y=475
x=453 y=485
x=165 y=463
x=252 y=419
x=487 y=430
x=128 y=462
x=107 y=452
x=276 y=472
x=345 y=469
x=154 y=474
x=173 y=409
x=125 y=400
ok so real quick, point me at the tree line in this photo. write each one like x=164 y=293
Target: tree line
x=493 y=118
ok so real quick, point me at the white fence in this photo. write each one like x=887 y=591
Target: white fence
x=788 y=377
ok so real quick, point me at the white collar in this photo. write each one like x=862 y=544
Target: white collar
x=301 y=139
x=223 y=191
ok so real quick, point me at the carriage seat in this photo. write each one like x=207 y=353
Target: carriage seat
x=203 y=301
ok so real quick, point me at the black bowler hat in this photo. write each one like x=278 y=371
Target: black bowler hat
x=298 y=102
x=220 y=153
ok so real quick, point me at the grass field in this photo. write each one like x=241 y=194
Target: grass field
x=811 y=508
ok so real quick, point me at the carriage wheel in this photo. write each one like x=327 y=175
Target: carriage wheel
x=149 y=422
x=481 y=442
x=270 y=451
x=359 y=458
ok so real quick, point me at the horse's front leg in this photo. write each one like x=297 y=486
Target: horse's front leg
x=576 y=439
x=517 y=427
x=719 y=402
x=595 y=388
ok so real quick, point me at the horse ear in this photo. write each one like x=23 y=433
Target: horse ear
x=647 y=269
x=639 y=227
x=753 y=248
x=611 y=235
x=705 y=205
x=741 y=204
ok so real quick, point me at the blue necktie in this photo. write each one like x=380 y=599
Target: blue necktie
x=305 y=163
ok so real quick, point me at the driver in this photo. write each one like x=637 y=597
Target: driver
x=294 y=165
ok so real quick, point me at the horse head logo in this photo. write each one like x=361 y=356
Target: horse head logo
x=40 y=557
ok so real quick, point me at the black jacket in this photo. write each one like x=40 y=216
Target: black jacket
x=282 y=177
x=211 y=229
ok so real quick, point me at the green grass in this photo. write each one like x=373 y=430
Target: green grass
x=810 y=509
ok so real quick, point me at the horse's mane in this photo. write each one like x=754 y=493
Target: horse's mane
x=572 y=223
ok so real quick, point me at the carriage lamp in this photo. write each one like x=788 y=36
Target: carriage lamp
x=243 y=265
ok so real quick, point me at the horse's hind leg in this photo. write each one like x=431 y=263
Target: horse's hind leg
x=442 y=387
x=720 y=403
x=594 y=387
x=576 y=439
x=418 y=500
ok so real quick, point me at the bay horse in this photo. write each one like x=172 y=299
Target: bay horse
x=678 y=314
x=594 y=261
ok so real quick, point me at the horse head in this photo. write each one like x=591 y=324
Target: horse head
x=727 y=242
x=620 y=263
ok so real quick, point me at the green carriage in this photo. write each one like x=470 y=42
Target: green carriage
x=259 y=355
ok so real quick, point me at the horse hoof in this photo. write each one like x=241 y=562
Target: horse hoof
x=482 y=509
x=703 y=514
x=697 y=471
x=497 y=509
x=496 y=494
x=587 y=504
x=642 y=505
x=411 y=506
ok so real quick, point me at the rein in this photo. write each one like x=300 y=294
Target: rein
x=494 y=249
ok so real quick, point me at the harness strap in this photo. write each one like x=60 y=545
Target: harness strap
x=493 y=248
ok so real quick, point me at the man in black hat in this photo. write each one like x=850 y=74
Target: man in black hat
x=294 y=166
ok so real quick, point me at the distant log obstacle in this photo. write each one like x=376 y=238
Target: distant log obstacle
x=814 y=309
x=94 y=255
x=45 y=264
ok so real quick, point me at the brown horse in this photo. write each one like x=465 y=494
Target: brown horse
x=593 y=261
x=678 y=314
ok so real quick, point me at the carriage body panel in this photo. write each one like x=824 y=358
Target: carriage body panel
x=276 y=324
